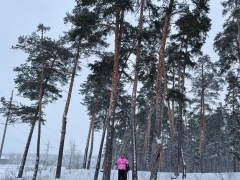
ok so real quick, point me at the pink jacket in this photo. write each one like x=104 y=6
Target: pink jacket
x=121 y=163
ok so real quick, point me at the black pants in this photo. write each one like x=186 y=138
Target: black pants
x=122 y=175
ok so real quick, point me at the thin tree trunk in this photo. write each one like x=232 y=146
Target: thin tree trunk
x=173 y=104
x=184 y=166
x=233 y=118
x=20 y=172
x=134 y=94
x=92 y=137
x=173 y=133
x=100 y=150
x=157 y=141
x=113 y=98
x=201 y=128
x=91 y=147
x=87 y=144
x=238 y=36
x=233 y=132
x=204 y=134
x=39 y=121
x=147 y=135
x=64 y=118
x=158 y=125
x=180 y=124
x=162 y=137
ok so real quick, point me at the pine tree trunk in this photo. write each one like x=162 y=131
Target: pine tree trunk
x=180 y=124
x=134 y=94
x=204 y=135
x=161 y=154
x=91 y=149
x=92 y=137
x=233 y=132
x=173 y=133
x=201 y=134
x=162 y=137
x=64 y=118
x=113 y=98
x=238 y=38
x=180 y=142
x=173 y=104
x=170 y=113
x=100 y=151
x=157 y=141
x=184 y=166
x=147 y=134
x=87 y=144
x=39 y=121
x=20 y=172
x=158 y=125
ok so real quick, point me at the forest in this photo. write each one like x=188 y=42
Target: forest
x=181 y=113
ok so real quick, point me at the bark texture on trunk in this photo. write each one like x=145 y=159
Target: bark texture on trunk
x=157 y=142
x=113 y=97
x=91 y=145
x=92 y=136
x=238 y=38
x=233 y=132
x=20 y=172
x=134 y=94
x=64 y=118
x=147 y=134
x=159 y=89
x=100 y=151
x=87 y=145
x=162 y=137
x=202 y=133
x=238 y=44
x=180 y=124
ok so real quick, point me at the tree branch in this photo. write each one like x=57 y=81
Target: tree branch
x=106 y=25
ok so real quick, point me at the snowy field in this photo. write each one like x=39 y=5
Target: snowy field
x=9 y=172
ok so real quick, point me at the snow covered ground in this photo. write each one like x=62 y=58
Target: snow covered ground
x=9 y=172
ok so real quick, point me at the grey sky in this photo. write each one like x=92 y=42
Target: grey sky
x=21 y=17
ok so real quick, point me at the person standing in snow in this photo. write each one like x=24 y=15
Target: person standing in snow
x=122 y=164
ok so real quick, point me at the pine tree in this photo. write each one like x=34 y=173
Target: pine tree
x=205 y=88
x=97 y=86
x=185 y=44
x=216 y=139
x=233 y=6
x=86 y=39
x=159 y=90
x=227 y=43
x=232 y=103
x=47 y=62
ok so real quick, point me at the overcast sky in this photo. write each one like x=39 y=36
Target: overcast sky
x=21 y=17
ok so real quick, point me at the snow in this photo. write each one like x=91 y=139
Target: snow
x=64 y=115
x=159 y=141
x=10 y=172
